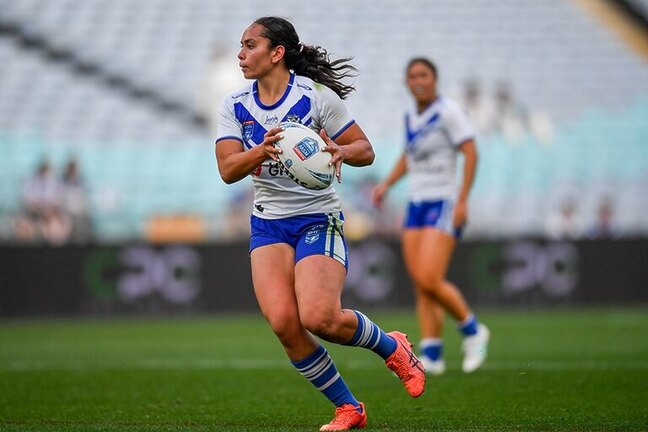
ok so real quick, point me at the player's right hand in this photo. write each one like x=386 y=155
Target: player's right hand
x=269 y=139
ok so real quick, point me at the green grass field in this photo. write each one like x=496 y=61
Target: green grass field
x=571 y=370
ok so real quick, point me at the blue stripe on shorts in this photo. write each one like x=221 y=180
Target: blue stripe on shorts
x=314 y=234
x=434 y=214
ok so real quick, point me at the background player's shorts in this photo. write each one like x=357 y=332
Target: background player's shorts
x=314 y=234
x=436 y=214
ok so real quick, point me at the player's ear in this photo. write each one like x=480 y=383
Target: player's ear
x=278 y=53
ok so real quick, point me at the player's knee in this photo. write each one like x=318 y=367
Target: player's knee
x=284 y=324
x=321 y=324
x=429 y=281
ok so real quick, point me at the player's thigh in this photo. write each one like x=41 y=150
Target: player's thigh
x=322 y=259
x=411 y=241
x=273 y=277
x=434 y=253
x=319 y=280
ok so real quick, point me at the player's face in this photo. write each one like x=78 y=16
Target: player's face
x=421 y=82
x=255 y=56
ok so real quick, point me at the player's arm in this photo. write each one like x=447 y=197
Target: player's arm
x=462 y=135
x=357 y=150
x=469 y=150
x=351 y=147
x=235 y=164
x=399 y=170
x=348 y=144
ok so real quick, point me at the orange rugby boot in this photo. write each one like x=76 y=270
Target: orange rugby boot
x=347 y=417
x=406 y=365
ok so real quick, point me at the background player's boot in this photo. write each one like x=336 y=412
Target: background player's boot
x=433 y=367
x=475 y=349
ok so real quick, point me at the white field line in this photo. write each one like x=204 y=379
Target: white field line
x=267 y=364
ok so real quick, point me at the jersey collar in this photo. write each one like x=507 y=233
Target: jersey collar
x=427 y=108
x=255 y=92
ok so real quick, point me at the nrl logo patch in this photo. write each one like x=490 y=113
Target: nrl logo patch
x=313 y=235
x=247 y=130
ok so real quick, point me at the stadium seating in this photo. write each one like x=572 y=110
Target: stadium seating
x=140 y=161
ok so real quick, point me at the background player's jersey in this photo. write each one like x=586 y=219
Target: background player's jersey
x=245 y=118
x=433 y=137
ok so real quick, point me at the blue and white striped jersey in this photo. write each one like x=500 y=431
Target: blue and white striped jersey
x=432 y=141
x=245 y=118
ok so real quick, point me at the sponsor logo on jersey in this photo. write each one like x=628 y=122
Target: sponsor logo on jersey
x=247 y=129
x=236 y=96
x=270 y=120
x=306 y=148
x=276 y=169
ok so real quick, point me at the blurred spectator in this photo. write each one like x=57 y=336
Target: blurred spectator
x=75 y=203
x=56 y=227
x=604 y=226
x=514 y=121
x=42 y=218
x=25 y=229
x=565 y=224
x=478 y=108
x=42 y=192
x=510 y=116
x=504 y=114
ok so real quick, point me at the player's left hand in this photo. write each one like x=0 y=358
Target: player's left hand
x=337 y=154
x=460 y=215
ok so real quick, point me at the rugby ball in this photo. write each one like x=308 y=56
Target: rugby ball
x=302 y=157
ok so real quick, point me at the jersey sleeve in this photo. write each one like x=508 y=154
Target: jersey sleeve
x=335 y=117
x=459 y=128
x=228 y=126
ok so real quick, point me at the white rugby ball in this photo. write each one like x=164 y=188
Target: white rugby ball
x=302 y=157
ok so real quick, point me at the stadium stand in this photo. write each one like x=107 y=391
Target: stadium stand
x=115 y=84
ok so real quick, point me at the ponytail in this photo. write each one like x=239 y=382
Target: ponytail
x=314 y=62
x=310 y=61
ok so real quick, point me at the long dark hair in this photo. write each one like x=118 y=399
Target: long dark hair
x=310 y=61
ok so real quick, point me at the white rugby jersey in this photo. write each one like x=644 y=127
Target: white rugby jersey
x=432 y=141
x=245 y=118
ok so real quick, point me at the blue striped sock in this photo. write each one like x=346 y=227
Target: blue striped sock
x=469 y=326
x=318 y=368
x=432 y=348
x=369 y=335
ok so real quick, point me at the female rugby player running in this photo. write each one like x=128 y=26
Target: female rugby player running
x=297 y=248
